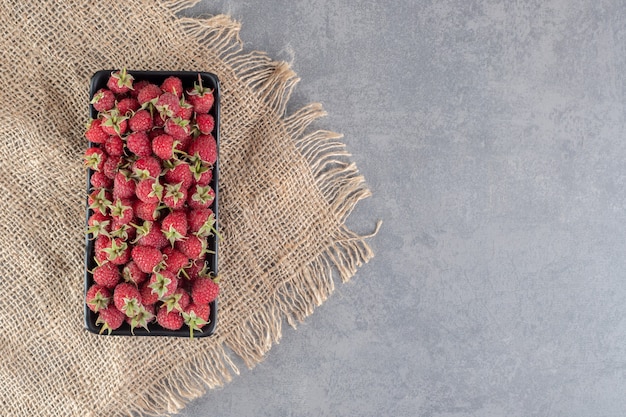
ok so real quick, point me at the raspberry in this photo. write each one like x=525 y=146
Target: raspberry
x=150 y=161
x=110 y=318
x=147 y=258
x=148 y=93
x=204 y=148
x=141 y=121
x=167 y=105
x=107 y=275
x=173 y=85
x=127 y=106
x=114 y=146
x=171 y=321
x=205 y=123
x=139 y=143
x=94 y=132
x=95 y=158
x=120 y=82
x=103 y=100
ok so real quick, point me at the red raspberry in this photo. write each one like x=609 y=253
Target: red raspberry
x=163 y=146
x=107 y=275
x=139 y=144
x=149 y=234
x=204 y=147
x=167 y=105
x=127 y=106
x=98 y=223
x=146 y=167
x=186 y=110
x=148 y=93
x=127 y=298
x=202 y=172
x=173 y=85
x=164 y=283
x=149 y=190
x=174 y=227
x=121 y=210
x=177 y=301
x=99 y=200
x=123 y=185
x=171 y=321
x=132 y=274
x=120 y=82
x=201 y=98
x=196 y=316
x=110 y=318
x=177 y=128
x=147 y=258
x=175 y=196
x=114 y=124
x=114 y=146
x=204 y=290
x=205 y=123
x=111 y=166
x=94 y=132
x=118 y=253
x=103 y=100
x=201 y=222
x=141 y=121
x=193 y=246
x=148 y=297
x=98 y=297
x=179 y=172
x=146 y=211
x=94 y=158
x=174 y=260
x=99 y=180
x=200 y=196
x=143 y=317
x=137 y=87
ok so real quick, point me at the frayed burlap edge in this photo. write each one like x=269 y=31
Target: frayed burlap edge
x=338 y=181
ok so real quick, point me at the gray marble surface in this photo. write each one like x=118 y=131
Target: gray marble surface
x=492 y=134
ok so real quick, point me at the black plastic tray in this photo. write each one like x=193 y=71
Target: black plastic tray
x=99 y=80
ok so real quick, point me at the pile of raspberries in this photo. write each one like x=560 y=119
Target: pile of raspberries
x=151 y=157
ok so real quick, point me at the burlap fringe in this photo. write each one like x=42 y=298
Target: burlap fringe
x=340 y=185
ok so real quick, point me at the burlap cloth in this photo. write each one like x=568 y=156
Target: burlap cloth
x=285 y=194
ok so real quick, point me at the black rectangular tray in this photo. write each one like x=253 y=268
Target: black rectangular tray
x=99 y=80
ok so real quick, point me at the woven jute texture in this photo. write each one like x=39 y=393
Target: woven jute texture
x=285 y=193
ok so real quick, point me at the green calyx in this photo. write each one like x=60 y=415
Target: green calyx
x=131 y=307
x=120 y=232
x=98 y=228
x=99 y=302
x=113 y=119
x=142 y=230
x=193 y=322
x=198 y=167
x=123 y=78
x=100 y=202
x=199 y=89
x=203 y=194
x=174 y=192
x=159 y=286
x=118 y=208
x=116 y=249
x=172 y=302
x=208 y=227
x=157 y=190
x=172 y=235
x=93 y=160
x=141 y=319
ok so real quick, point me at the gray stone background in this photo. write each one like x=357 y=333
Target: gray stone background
x=492 y=136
